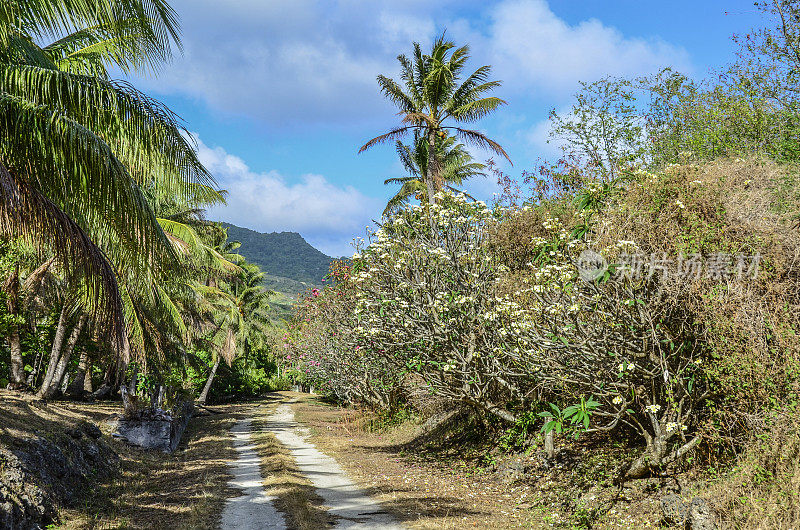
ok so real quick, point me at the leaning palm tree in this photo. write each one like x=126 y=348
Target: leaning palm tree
x=76 y=149
x=431 y=96
x=455 y=166
x=241 y=319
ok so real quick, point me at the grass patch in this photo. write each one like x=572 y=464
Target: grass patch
x=183 y=490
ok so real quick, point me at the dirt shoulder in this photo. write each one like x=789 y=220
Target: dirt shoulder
x=417 y=491
x=462 y=488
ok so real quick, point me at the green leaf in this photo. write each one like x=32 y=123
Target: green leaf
x=572 y=409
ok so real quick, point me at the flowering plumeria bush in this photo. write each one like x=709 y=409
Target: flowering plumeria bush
x=428 y=296
x=612 y=334
x=323 y=345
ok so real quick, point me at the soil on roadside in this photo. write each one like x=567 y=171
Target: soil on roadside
x=431 y=489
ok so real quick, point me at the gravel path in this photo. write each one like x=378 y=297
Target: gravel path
x=253 y=510
x=352 y=508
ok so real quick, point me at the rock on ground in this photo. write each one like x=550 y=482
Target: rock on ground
x=697 y=515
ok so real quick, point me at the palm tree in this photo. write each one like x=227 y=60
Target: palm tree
x=242 y=319
x=456 y=166
x=42 y=18
x=433 y=96
x=76 y=149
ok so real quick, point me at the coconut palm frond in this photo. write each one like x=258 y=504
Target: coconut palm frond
x=406 y=156
x=187 y=242
x=481 y=140
x=26 y=212
x=145 y=135
x=85 y=180
x=456 y=166
x=127 y=44
x=394 y=92
x=399 y=132
x=45 y=18
x=475 y=110
x=408 y=191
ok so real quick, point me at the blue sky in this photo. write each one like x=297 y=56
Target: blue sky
x=282 y=94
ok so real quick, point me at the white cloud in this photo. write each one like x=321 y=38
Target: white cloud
x=328 y=216
x=290 y=62
x=531 y=47
x=312 y=62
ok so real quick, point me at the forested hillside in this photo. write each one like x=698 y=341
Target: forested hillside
x=291 y=264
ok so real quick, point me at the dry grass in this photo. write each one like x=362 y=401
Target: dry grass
x=294 y=495
x=183 y=490
x=751 y=326
x=22 y=417
x=420 y=492
x=763 y=490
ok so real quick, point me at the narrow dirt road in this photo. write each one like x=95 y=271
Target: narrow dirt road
x=253 y=510
x=352 y=508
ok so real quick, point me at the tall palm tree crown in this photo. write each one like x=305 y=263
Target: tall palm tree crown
x=455 y=166
x=431 y=95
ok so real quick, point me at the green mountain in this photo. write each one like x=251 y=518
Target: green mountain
x=290 y=263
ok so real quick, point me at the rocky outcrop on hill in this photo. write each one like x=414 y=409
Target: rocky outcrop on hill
x=41 y=473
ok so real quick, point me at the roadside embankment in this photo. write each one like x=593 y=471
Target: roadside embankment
x=59 y=465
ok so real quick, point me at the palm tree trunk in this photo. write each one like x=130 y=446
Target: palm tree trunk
x=37 y=362
x=114 y=375
x=17 y=371
x=433 y=170
x=64 y=382
x=79 y=383
x=51 y=386
x=207 y=387
x=87 y=378
x=58 y=341
x=62 y=375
